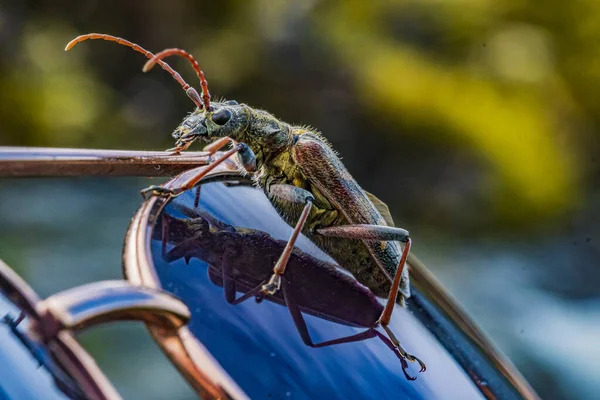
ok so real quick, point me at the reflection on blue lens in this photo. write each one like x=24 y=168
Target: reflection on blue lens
x=212 y=255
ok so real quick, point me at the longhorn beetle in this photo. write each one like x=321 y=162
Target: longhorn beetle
x=304 y=180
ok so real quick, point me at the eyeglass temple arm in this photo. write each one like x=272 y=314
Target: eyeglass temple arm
x=58 y=162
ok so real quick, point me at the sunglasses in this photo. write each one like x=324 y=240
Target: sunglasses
x=194 y=265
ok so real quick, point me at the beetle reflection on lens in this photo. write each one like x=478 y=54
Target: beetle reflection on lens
x=240 y=260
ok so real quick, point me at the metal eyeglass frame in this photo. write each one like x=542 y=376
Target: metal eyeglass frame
x=141 y=296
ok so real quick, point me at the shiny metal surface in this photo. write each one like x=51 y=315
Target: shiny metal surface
x=457 y=353
x=18 y=291
x=44 y=328
x=44 y=162
x=108 y=301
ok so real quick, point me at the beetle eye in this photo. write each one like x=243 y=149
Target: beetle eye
x=221 y=117
x=231 y=103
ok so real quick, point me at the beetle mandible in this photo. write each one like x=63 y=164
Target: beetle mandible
x=304 y=180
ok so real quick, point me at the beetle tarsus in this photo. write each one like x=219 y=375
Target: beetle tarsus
x=403 y=353
x=179 y=147
x=174 y=151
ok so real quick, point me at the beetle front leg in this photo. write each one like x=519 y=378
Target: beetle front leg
x=156 y=190
x=217 y=145
x=382 y=233
x=245 y=155
x=295 y=196
x=246 y=158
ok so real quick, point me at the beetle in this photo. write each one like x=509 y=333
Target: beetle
x=303 y=178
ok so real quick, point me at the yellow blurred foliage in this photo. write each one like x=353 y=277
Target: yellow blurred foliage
x=505 y=111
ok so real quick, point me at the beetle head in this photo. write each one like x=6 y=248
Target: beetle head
x=227 y=118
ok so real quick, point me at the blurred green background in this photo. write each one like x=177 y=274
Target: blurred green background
x=475 y=120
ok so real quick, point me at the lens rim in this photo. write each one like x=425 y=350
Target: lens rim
x=190 y=357
x=194 y=360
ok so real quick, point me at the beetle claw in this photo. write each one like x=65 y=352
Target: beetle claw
x=404 y=355
x=412 y=358
x=407 y=356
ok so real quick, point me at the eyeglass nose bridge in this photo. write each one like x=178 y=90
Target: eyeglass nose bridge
x=108 y=301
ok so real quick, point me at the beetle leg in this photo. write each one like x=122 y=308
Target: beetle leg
x=377 y=232
x=250 y=294
x=384 y=233
x=401 y=350
x=229 y=286
x=369 y=333
x=155 y=190
x=247 y=158
x=19 y=319
x=366 y=232
x=297 y=196
x=164 y=235
x=217 y=145
x=190 y=183
x=302 y=328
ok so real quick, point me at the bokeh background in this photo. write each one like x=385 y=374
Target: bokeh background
x=475 y=120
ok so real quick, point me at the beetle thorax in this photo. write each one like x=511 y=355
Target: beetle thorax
x=266 y=135
x=279 y=168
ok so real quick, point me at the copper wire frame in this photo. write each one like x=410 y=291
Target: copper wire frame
x=194 y=361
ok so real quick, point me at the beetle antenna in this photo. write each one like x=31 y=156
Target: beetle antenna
x=179 y=52
x=190 y=91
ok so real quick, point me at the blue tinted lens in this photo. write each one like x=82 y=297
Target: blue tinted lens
x=212 y=255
